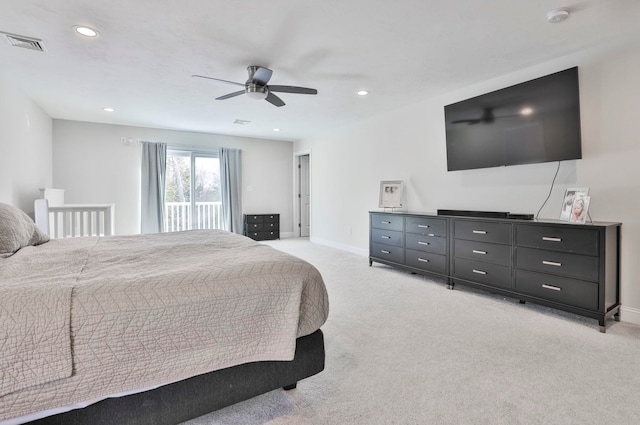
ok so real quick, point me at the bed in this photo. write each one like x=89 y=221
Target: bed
x=149 y=329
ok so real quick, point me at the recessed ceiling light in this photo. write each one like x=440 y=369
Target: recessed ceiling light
x=276 y=129
x=108 y=109
x=557 y=15
x=363 y=92
x=526 y=111
x=86 y=31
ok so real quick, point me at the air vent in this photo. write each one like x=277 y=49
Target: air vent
x=24 y=42
x=241 y=122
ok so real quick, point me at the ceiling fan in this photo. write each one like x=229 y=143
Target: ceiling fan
x=487 y=117
x=257 y=88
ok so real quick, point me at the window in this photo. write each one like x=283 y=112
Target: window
x=192 y=191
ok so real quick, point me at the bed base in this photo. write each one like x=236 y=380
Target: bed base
x=202 y=394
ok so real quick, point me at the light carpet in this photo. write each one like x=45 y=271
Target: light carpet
x=403 y=349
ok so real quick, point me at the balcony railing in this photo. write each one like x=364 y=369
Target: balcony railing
x=178 y=216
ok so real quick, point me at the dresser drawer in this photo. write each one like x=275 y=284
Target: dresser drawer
x=270 y=235
x=270 y=225
x=426 y=261
x=387 y=221
x=387 y=237
x=482 y=231
x=256 y=236
x=560 y=263
x=426 y=226
x=486 y=273
x=482 y=251
x=565 y=238
x=560 y=289
x=254 y=218
x=272 y=218
x=252 y=227
x=386 y=252
x=426 y=243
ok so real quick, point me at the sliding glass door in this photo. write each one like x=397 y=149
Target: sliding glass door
x=192 y=192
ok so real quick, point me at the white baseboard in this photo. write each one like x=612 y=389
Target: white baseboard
x=342 y=247
x=630 y=315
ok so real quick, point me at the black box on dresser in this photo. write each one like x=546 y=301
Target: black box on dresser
x=567 y=266
x=262 y=227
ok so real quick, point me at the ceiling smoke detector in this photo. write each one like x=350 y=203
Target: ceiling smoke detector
x=24 y=42
x=557 y=15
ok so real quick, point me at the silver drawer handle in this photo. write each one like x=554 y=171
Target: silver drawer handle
x=550 y=239
x=424 y=260
x=385 y=237
x=430 y=234
x=385 y=222
x=423 y=243
x=479 y=271
x=480 y=232
x=551 y=263
x=553 y=288
x=385 y=252
x=423 y=226
x=475 y=251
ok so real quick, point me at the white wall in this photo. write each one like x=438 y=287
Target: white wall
x=93 y=166
x=409 y=144
x=25 y=148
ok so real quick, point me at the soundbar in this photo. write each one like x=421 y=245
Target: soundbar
x=486 y=214
x=465 y=213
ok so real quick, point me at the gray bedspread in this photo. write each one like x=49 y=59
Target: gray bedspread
x=83 y=318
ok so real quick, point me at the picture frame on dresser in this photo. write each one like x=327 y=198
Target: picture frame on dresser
x=570 y=195
x=391 y=194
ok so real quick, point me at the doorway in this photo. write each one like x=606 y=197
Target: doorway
x=303 y=195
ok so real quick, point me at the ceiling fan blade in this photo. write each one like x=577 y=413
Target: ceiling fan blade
x=293 y=89
x=261 y=76
x=230 y=95
x=218 y=79
x=273 y=99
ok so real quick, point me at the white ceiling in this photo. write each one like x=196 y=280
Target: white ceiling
x=403 y=51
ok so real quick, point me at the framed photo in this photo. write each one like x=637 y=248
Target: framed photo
x=570 y=195
x=391 y=194
x=579 y=209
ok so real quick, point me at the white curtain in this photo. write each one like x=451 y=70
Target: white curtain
x=153 y=178
x=231 y=185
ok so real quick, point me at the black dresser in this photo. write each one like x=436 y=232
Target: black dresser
x=262 y=227
x=571 y=267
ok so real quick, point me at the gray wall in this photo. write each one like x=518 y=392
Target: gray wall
x=25 y=148
x=92 y=165
x=409 y=144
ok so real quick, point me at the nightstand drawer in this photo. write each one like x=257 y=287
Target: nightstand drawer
x=387 y=221
x=486 y=273
x=483 y=231
x=558 y=263
x=481 y=251
x=386 y=252
x=426 y=226
x=387 y=237
x=565 y=238
x=426 y=243
x=426 y=261
x=560 y=289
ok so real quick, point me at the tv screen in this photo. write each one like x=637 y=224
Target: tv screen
x=535 y=121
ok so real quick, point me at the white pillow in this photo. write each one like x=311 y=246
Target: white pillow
x=17 y=230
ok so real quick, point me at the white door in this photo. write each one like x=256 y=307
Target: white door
x=304 y=196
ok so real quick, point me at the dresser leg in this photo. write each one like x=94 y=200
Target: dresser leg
x=616 y=316
x=522 y=301
x=370 y=262
x=603 y=325
x=449 y=284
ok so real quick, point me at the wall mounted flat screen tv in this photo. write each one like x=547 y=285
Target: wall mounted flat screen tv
x=535 y=121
